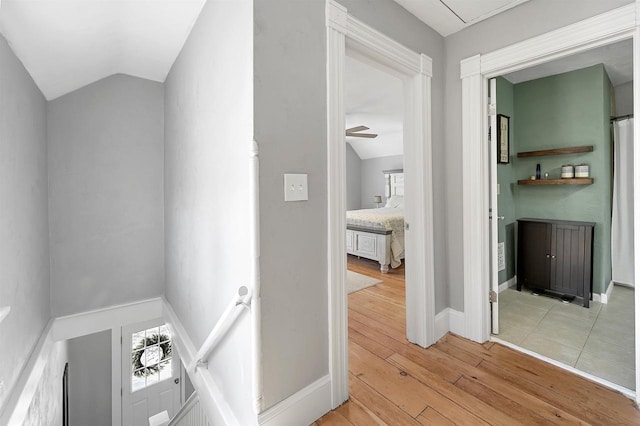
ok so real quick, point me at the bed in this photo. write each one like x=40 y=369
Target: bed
x=378 y=234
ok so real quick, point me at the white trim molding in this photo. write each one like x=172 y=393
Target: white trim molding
x=610 y=27
x=604 y=297
x=81 y=324
x=211 y=397
x=449 y=320
x=507 y=284
x=347 y=35
x=302 y=408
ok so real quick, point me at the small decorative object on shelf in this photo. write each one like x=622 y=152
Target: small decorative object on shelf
x=567 y=171
x=538 y=171
x=582 y=171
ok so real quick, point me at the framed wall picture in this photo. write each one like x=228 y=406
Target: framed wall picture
x=503 y=139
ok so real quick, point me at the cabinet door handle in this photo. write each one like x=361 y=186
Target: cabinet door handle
x=553 y=256
x=548 y=256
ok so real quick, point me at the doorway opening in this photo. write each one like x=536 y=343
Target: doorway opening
x=603 y=30
x=348 y=37
x=556 y=281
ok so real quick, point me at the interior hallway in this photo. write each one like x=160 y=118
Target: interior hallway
x=454 y=381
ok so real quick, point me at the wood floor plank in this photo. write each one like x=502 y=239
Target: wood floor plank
x=334 y=418
x=455 y=381
x=384 y=409
x=431 y=417
x=550 y=412
x=369 y=344
x=358 y=414
x=401 y=389
x=580 y=390
x=459 y=354
x=463 y=399
x=501 y=403
x=381 y=327
x=544 y=393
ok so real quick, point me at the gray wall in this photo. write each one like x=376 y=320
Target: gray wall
x=354 y=181
x=105 y=194
x=46 y=405
x=499 y=31
x=90 y=380
x=208 y=135
x=24 y=230
x=373 y=181
x=624 y=98
x=290 y=99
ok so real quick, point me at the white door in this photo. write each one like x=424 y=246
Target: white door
x=150 y=373
x=493 y=204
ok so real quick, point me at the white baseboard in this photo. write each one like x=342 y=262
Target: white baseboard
x=604 y=297
x=302 y=408
x=449 y=320
x=509 y=283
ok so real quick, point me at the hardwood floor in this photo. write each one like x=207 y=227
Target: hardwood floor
x=455 y=381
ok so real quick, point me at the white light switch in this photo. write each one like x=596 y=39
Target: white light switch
x=295 y=187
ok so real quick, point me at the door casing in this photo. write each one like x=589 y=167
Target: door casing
x=607 y=28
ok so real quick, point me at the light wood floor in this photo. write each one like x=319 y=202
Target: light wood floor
x=455 y=381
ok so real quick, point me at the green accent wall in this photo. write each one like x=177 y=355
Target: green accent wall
x=506 y=179
x=569 y=109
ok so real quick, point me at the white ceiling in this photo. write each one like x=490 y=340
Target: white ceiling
x=617 y=59
x=374 y=99
x=450 y=16
x=67 y=44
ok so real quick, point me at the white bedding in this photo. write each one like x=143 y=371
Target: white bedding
x=391 y=219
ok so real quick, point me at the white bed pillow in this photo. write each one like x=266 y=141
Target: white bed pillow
x=395 y=202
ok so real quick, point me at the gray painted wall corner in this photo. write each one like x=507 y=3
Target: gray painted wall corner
x=105 y=162
x=24 y=226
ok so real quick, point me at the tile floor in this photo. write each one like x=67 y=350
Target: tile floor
x=598 y=340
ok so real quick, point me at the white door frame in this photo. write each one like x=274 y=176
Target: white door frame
x=345 y=32
x=610 y=27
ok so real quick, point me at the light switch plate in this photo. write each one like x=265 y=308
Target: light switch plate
x=295 y=187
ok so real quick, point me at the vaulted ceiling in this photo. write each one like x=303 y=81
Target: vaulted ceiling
x=67 y=44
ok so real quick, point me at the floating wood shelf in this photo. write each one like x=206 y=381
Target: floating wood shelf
x=575 y=181
x=557 y=151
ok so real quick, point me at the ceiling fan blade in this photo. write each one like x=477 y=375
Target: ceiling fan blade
x=357 y=129
x=362 y=135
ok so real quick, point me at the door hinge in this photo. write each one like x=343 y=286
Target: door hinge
x=493 y=296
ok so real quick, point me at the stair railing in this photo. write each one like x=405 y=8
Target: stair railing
x=227 y=319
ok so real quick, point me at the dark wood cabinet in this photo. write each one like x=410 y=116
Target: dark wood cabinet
x=556 y=256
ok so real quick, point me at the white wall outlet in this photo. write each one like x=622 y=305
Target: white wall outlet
x=295 y=187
